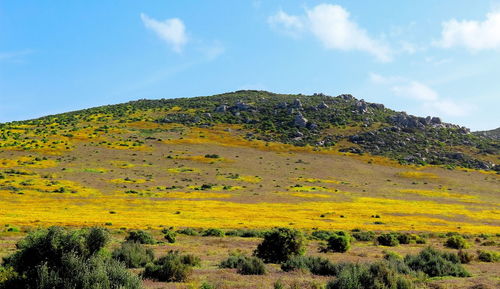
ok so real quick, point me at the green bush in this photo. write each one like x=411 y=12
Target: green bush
x=233 y=261
x=169 y=268
x=456 y=242
x=363 y=235
x=339 y=243
x=245 y=265
x=213 y=233
x=169 y=235
x=188 y=232
x=404 y=238
x=322 y=235
x=280 y=244
x=388 y=239
x=315 y=265
x=59 y=258
x=373 y=276
x=133 y=254
x=488 y=256
x=191 y=260
x=245 y=233
x=436 y=264
x=252 y=266
x=141 y=237
x=465 y=257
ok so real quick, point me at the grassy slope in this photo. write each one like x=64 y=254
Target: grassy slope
x=122 y=168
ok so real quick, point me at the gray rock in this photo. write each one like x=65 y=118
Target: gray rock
x=282 y=105
x=361 y=106
x=300 y=120
x=323 y=105
x=377 y=105
x=221 y=108
x=242 y=106
x=297 y=104
x=435 y=120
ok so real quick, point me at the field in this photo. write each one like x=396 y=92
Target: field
x=146 y=175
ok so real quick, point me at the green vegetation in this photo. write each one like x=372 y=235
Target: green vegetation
x=488 y=256
x=372 y=276
x=340 y=242
x=280 y=244
x=133 y=254
x=388 y=239
x=172 y=267
x=456 y=242
x=435 y=263
x=141 y=237
x=245 y=265
x=58 y=258
x=213 y=233
x=169 y=235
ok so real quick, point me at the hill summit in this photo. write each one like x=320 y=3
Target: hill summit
x=343 y=123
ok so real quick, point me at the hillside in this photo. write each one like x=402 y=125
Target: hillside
x=492 y=134
x=247 y=159
x=341 y=123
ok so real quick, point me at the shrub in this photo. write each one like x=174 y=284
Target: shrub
x=133 y=255
x=252 y=266
x=396 y=262
x=245 y=233
x=316 y=265
x=387 y=239
x=96 y=239
x=58 y=258
x=6 y=274
x=245 y=265
x=322 y=235
x=169 y=268
x=364 y=236
x=169 y=235
x=488 y=256
x=339 y=243
x=141 y=237
x=191 y=260
x=456 y=242
x=465 y=257
x=213 y=233
x=188 y=231
x=404 y=238
x=436 y=264
x=280 y=244
x=233 y=261
x=376 y=276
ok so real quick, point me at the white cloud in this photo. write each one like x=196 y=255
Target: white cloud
x=171 y=31
x=288 y=24
x=429 y=99
x=213 y=50
x=416 y=90
x=332 y=26
x=473 y=35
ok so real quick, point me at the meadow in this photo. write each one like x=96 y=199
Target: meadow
x=151 y=176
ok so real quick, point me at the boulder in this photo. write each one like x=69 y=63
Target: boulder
x=323 y=105
x=297 y=104
x=221 y=108
x=300 y=120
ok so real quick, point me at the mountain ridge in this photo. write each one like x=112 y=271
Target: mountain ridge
x=343 y=122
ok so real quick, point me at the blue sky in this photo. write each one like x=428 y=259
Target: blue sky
x=439 y=58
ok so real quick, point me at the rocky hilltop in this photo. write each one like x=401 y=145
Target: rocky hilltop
x=343 y=123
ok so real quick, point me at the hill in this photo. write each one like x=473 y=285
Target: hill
x=341 y=123
x=248 y=159
x=493 y=134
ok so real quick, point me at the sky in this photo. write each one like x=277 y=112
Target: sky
x=438 y=58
